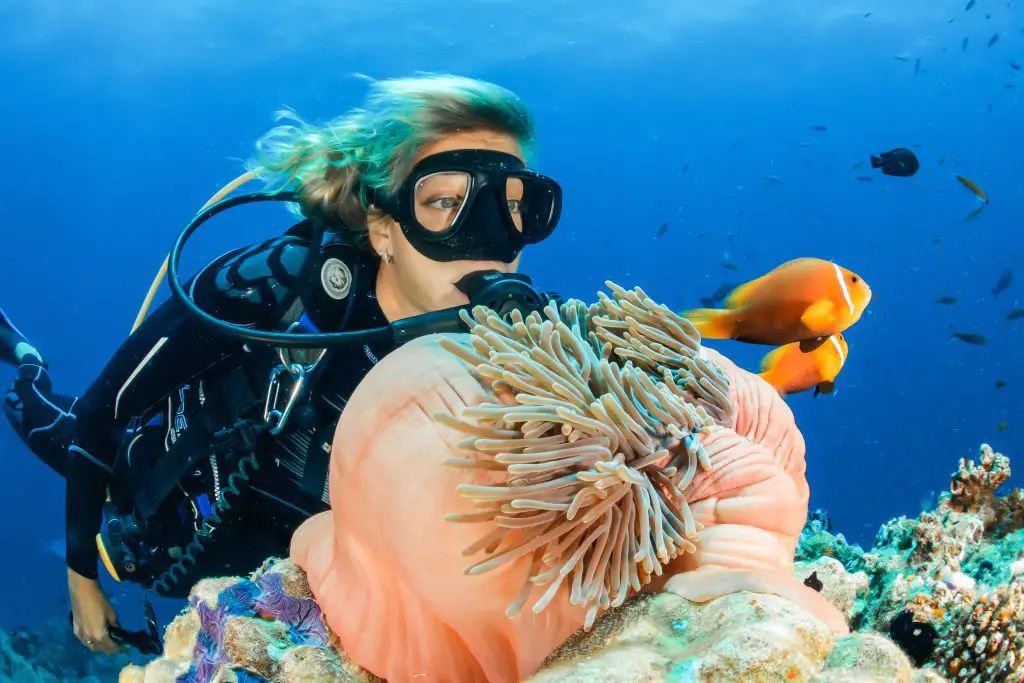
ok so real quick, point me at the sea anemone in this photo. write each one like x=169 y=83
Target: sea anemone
x=597 y=437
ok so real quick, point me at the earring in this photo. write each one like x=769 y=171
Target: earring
x=386 y=257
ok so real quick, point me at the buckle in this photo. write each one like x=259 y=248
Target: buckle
x=277 y=418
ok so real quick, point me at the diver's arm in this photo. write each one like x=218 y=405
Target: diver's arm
x=253 y=286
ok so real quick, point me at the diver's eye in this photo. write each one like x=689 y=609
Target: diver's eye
x=446 y=203
x=514 y=205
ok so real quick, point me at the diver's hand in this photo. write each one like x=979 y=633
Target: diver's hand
x=92 y=613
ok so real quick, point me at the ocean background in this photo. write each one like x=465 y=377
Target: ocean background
x=682 y=133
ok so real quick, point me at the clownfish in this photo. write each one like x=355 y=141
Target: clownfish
x=791 y=371
x=805 y=300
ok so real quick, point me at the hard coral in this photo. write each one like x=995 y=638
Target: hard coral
x=954 y=573
x=264 y=628
x=973 y=486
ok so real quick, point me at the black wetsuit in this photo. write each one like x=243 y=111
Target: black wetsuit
x=172 y=358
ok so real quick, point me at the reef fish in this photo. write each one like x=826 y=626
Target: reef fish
x=896 y=162
x=791 y=371
x=804 y=300
x=973 y=187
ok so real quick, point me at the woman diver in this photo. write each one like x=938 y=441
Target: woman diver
x=197 y=453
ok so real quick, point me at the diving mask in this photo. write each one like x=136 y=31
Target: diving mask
x=474 y=205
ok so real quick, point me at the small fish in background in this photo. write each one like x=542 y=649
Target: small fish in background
x=865 y=179
x=1015 y=314
x=792 y=371
x=686 y=167
x=856 y=166
x=818 y=127
x=942 y=160
x=970 y=4
x=662 y=230
x=1000 y=383
x=969 y=338
x=770 y=180
x=1002 y=427
x=716 y=296
x=993 y=40
x=730 y=266
x=866 y=15
x=975 y=213
x=1015 y=66
x=702 y=235
x=946 y=300
x=805 y=145
x=1003 y=283
x=917 y=66
x=804 y=300
x=899 y=162
x=901 y=57
x=973 y=187
x=963 y=45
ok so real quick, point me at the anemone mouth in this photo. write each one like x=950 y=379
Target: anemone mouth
x=597 y=448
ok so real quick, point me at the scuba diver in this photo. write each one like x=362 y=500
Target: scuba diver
x=205 y=441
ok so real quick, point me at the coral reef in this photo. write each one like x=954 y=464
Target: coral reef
x=949 y=585
x=940 y=597
x=263 y=628
x=51 y=654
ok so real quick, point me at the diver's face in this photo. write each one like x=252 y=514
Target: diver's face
x=412 y=284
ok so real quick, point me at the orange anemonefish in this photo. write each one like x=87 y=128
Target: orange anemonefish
x=791 y=371
x=805 y=300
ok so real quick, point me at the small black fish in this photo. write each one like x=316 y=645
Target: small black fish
x=773 y=180
x=662 y=230
x=917 y=66
x=1000 y=383
x=1003 y=283
x=963 y=45
x=813 y=582
x=993 y=40
x=867 y=14
x=818 y=127
x=701 y=235
x=896 y=162
x=1015 y=66
x=942 y=160
x=946 y=300
x=805 y=145
x=856 y=166
x=970 y=338
x=1015 y=314
x=865 y=179
x=730 y=266
x=1009 y=86
x=970 y=4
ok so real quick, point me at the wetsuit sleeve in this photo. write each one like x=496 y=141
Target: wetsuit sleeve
x=253 y=286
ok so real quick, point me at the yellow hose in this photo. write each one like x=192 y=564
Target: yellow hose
x=158 y=280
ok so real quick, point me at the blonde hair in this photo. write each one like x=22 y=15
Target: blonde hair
x=332 y=166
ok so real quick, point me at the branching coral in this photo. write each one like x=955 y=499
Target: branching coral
x=974 y=485
x=597 y=443
x=955 y=573
x=983 y=639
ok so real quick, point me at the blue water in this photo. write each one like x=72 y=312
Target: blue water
x=121 y=118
